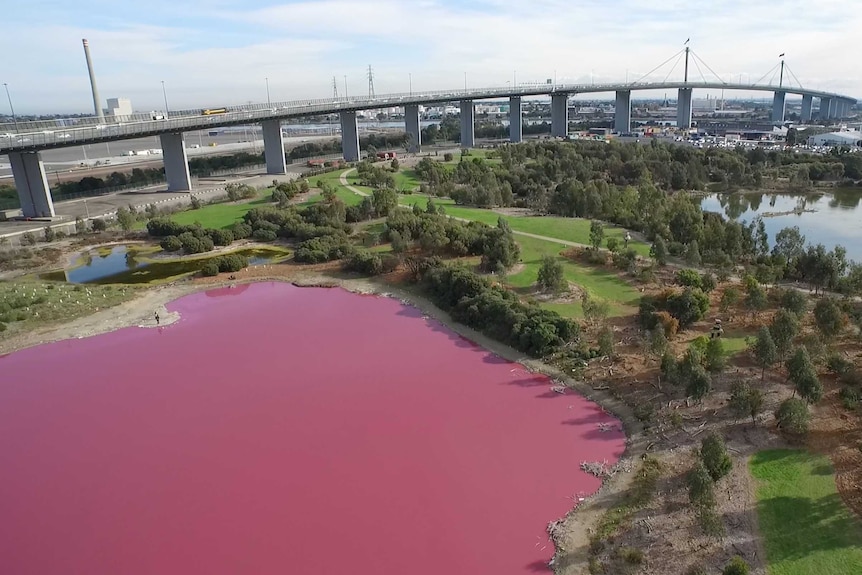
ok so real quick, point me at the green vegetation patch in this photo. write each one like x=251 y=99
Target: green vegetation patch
x=221 y=215
x=804 y=523
x=27 y=305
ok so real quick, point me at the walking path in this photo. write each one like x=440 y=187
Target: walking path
x=343 y=180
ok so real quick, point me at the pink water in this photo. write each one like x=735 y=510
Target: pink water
x=285 y=430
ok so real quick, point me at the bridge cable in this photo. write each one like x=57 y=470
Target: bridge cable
x=772 y=70
x=702 y=61
x=694 y=60
x=786 y=67
x=672 y=69
x=657 y=67
x=773 y=77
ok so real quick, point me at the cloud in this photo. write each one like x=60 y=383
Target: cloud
x=219 y=52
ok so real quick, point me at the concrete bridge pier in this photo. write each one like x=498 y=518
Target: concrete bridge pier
x=32 y=185
x=560 y=115
x=413 y=127
x=516 y=125
x=468 y=139
x=778 y=107
x=273 y=147
x=805 y=116
x=683 y=109
x=843 y=109
x=623 y=112
x=176 y=162
x=826 y=107
x=349 y=136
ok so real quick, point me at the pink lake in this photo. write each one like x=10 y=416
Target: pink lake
x=277 y=429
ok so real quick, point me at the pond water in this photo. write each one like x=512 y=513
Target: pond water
x=121 y=264
x=277 y=429
x=836 y=218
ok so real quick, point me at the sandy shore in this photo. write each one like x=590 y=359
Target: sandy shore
x=573 y=534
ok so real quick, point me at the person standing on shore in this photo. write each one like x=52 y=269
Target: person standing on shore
x=157 y=318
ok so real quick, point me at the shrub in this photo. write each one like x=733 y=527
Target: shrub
x=220 y=237
x=195 y=203
x=240 y=230
x=364 y=262
x=714 y=455
x=737 y=566
x=264 y=235
x=28 y=239
x=448 y=157
x=231 y=262
x=690 y=278
x=80 y=225
x=707 y=282
x=210 y=268
x=689 y=306
x=792 y=416
x=838 y=365
x=99 y=225
x=729 y=298
x=849 y=397
x=171 y=244
x=50 y=234
x=551 y=277
x=193 y=244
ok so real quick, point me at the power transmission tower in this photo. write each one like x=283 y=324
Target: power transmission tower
x=370 y=83
x=334 y=88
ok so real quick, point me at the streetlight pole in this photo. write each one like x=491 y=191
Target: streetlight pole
x=165 y=94
x=11 y=107
x=465 y=82
x=410 y=79
x=268 y=102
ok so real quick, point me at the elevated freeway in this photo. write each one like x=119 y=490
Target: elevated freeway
x=22 y=141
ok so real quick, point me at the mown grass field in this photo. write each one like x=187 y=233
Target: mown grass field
x=804 y=523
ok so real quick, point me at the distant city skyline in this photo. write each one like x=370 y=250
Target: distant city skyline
x=221 y=52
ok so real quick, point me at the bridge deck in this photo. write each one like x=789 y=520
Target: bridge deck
x=48 y=134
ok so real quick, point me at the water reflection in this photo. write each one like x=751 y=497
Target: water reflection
x=832 y=219
x=123 y=264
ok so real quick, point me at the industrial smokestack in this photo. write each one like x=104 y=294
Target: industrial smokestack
x=97 y=103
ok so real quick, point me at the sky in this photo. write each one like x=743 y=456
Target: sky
x=213 y=53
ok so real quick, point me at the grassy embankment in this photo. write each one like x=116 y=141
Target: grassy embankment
x=25 y=306
x=805 y=525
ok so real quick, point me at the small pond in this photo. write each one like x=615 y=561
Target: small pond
x=129 y=264
x=830 y=219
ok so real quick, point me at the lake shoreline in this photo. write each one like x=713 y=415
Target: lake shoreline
x=571 y=532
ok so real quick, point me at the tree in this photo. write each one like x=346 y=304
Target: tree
x=551 y=277
x=701 y=492
x=808 y=386
x=714 y=356
x=606 y=341
x=791 y=137
x=597 y=234
x=99 y=225
x=764 y=350
x=692 y=254
x=756 y=298
x=613 y=244
x=829 y=318
x=798 y=364
x=790 y=243
x=80 y=225
x=125 y=218
x=658 y=251
x=737 y=565
x=595 y=309
x=746 y=401
x=729 y=298
x=792 y=416
x=714 y=455
x=783 y=329
x=699 y=383
x=394 y=164
x=657 y=342
x=794 y=301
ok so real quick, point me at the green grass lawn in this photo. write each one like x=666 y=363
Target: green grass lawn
x=220 y=215
x=568 y=229
x=804 y=523
x=599 y=282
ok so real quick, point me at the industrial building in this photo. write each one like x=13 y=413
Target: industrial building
x=847 y=138
x=119 y=107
